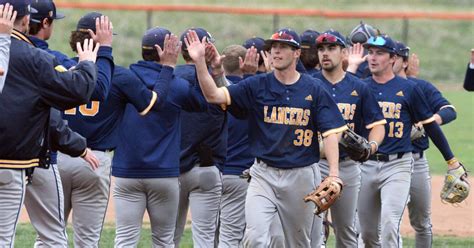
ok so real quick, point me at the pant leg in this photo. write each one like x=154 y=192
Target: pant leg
x=162 y=206
x=89 y=197
x=260 y=207
x=344 y=209
x=419 y=205
x=232 y=212
x=396 y=176
x=296 y=216
x=130 y=204
x=44 y=202
x=12 y=190
x=187 y=181
x=204 y=202
x=369 y=205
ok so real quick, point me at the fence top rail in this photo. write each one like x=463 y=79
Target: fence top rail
x=468 y=15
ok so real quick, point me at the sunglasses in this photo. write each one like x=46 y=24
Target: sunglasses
x=377 y=41
x=329 y=38
x=283 y=36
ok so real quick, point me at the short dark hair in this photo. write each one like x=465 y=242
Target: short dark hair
x=185 y=54
x=77 y=36
x=309 y=57
x=150 y=55
x=36 y=27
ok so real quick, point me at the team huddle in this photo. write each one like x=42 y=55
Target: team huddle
x=246 y=139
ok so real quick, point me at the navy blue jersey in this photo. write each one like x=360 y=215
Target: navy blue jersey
x=402 y=104
x=239 y=157
x=363 y=71
x=204 y=134
x=63 y=59
x=99 y=121
x=284 y=119
x=312 y=71
x=149 y=145
x=356 y=102
x=435 y=100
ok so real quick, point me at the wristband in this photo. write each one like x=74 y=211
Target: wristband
x=376 y=145
x=452 y=161
x=84 y=153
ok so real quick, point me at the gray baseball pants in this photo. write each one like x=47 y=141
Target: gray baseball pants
x=201 y=190
x=343 y=211
x=278 y=193
x=419 y=203
x=158 y=196
x=12 y=190
x=87 y=193
x=44 y=202
x=382 y=199
x=232 y=214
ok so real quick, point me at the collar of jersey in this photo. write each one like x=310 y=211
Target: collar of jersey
x=20 y=36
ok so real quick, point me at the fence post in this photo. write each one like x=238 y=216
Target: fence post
x=406 y=25
x=149 y=17
x=276 y=22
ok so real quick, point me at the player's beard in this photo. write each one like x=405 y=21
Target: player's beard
x=329 y=66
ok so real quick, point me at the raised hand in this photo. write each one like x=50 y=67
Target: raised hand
x=87 y=51
x=249 y=65
x=7 y=18
x=356 y=57
x=413 y=66
x=169 y=54
x=196 y=48
x=90 y=158
x=267 y=60
x=103 y=31
x=214 y=59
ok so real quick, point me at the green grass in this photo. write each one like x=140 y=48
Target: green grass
x=26 y=234
x=443 y=46
x=459 y=133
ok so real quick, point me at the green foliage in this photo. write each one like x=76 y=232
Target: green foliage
x=443 y=46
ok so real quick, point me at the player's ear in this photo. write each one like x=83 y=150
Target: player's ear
x=297 y=53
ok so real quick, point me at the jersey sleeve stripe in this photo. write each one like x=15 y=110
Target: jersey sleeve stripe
x=228 y=100
x=448 y=106
x=154 y=97
x=334 y=130
x=19 y=164
x=429 y=120
x=373 y=124
x=60 y=68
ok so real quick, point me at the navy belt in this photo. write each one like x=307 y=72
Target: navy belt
x=386 y=157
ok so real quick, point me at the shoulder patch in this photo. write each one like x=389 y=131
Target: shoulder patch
x=354 y=93
x=400 y=93
x=309 y=98
x=60 y=68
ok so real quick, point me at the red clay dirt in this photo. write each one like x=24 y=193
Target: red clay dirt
x=448 y=220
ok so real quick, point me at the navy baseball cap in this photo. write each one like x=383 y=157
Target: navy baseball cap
x=201 y=32
x=401 y=49
x=22 y=7
x=382 y=41
x=257 y=42
x=45 y=9
x=308 y=38
x=154 y=36
x=284 y=35
x=331 y=36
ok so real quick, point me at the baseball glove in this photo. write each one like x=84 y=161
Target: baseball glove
x=326 y=194
x=356 y=146
x=417 y=132
x=456 y=187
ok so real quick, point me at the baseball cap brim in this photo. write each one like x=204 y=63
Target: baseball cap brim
x=367 y=46
x=59 y=15
x=269 y=42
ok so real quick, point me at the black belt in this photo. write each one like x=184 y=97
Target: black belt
x=386 y=157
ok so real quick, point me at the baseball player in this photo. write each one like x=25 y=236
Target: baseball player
x=6 y=27
x=309 y=54
x=361 y=112
x=42 y=83
x=239 y=160
x=258 y=43
x=203 y=152
x=285 y=110
x=419 y=204
x=469 y=78
x=359 y=36
x=146 y=164
x=87 y=191
x=386 y=176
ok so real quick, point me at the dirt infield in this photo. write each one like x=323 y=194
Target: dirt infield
x=447 y=219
